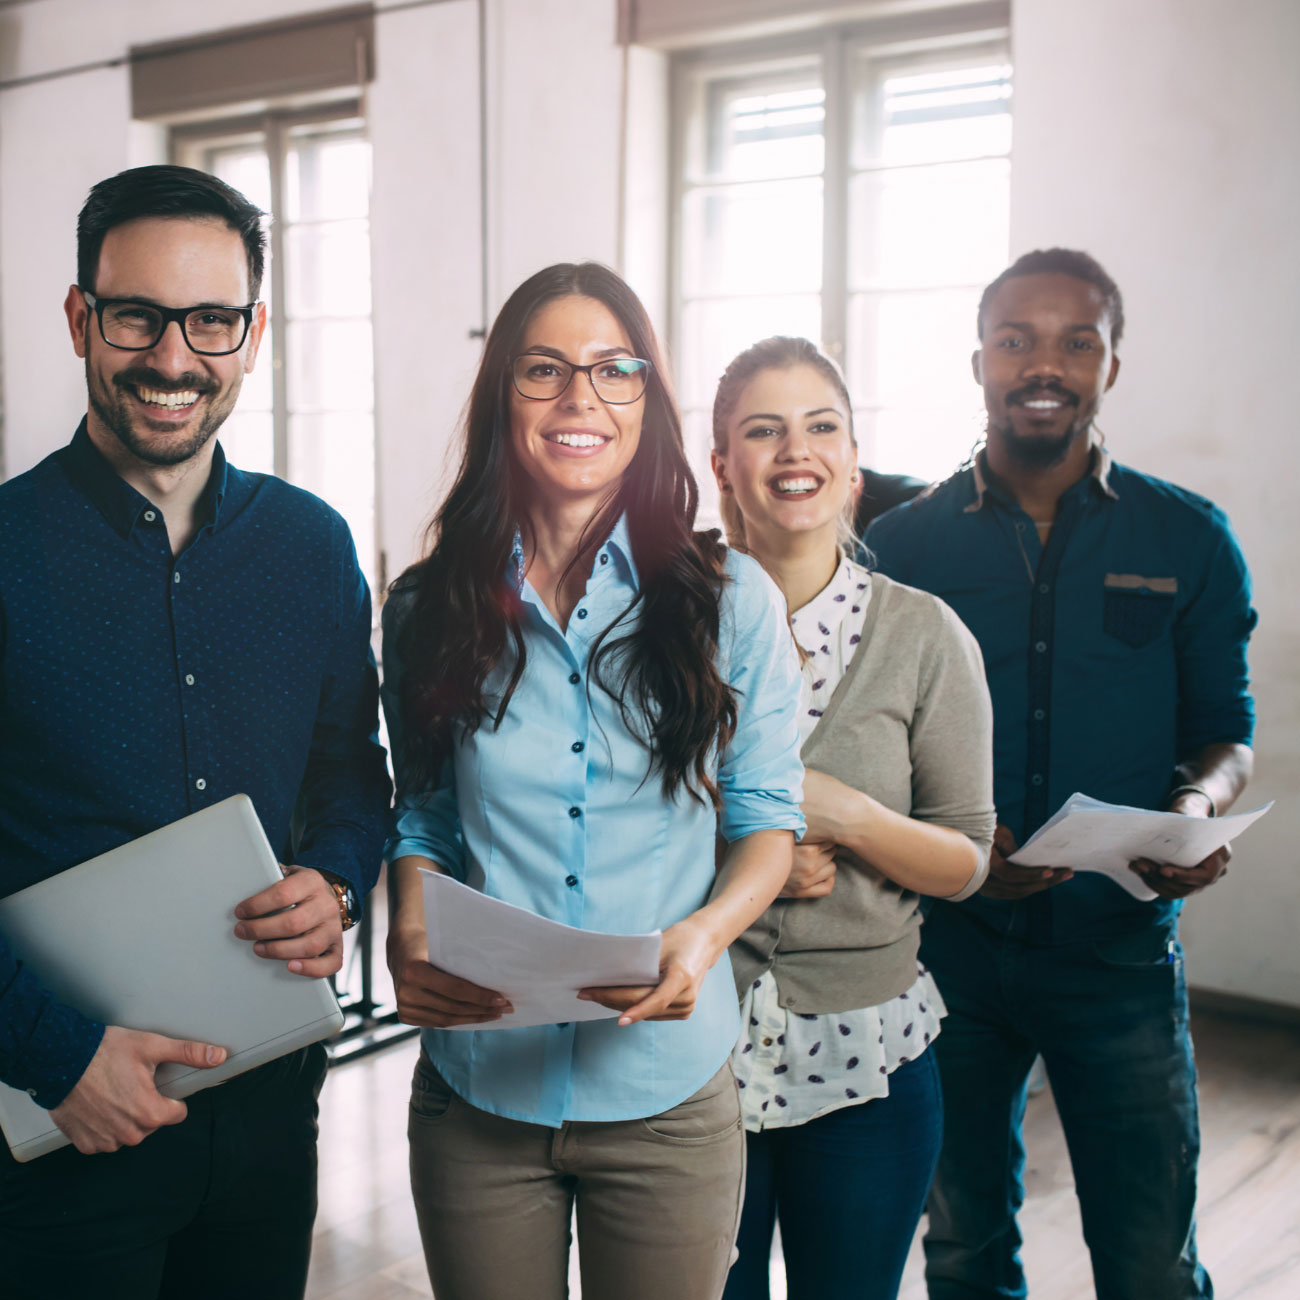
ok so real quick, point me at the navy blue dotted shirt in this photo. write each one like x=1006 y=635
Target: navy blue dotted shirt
x=137 y=687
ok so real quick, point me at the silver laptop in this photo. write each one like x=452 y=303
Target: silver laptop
x=143 y=937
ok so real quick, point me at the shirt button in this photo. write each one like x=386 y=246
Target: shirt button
x=150 y=516
x=767 y=1042
x=570 y=881
x=582 y=613
x=575 y=813
x=604 y=559
x=1040 y=646
x=1044 y=588
x=1039 y=714
x=200 y=784
x=574 y=679
x=176 y=577
x=577 y=747
x=189 y=679
x=1036 y=779
x=775 y=934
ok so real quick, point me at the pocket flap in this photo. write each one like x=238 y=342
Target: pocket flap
x=1135 y=582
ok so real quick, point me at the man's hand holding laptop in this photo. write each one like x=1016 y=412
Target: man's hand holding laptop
x=116 y=1102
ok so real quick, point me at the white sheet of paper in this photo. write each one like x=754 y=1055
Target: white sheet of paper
x=538 y=964
x=1089 y=835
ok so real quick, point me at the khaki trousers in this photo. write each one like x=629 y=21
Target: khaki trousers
x=658 y=1199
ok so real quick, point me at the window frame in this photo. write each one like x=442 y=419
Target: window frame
x=922 y=43
x=195 y=144
x=192 y=144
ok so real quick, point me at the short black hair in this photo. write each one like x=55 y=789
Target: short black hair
x=164 y=190
x=1062 y=261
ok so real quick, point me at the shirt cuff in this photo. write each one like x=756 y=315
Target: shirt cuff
x=61 y=1046
x=757 y=810
x=321 y=860
x=973 y=885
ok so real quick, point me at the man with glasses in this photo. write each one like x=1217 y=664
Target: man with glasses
x=174 y=631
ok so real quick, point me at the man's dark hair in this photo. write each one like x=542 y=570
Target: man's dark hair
x=166 y=191
x=1062 y=261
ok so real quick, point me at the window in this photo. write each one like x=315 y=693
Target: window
x=307 y=411
x=856 y=192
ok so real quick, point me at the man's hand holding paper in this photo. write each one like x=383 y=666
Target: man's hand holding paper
x=1007 y=879
x=1149 y=854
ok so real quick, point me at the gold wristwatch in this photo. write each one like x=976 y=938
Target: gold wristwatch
x=349 y=905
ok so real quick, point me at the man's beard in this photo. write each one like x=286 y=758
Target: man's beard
x=1039 y=451
x=112 y=409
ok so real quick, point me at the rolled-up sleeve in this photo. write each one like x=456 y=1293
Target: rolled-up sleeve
x=1210 y=638
x=427 y=822
x=760 y=777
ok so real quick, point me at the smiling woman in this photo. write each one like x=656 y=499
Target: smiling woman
x=840 y=1097
x=575 y=408
x=581 y=692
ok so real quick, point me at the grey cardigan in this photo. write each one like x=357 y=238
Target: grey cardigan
x=910 y=724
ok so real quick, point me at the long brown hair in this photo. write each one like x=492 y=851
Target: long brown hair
x=464 y=616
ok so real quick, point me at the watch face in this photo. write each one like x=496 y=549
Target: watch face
x=350 y=902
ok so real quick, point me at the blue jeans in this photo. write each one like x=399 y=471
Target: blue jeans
x=1109 y=1017
x=848 y=1187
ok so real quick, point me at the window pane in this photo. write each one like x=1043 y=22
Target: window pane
x=697 y=434
x=934 y=116
x=911 y=348
x=927 y=441
x=331 y=366
x=751 y=238
x=757 y=133
x=714 y=332
x=327 y=177
x=255 y=395
x=333 y=456
x=327 y=269
x=248 y=441
x=929 y=225
x=248 y=170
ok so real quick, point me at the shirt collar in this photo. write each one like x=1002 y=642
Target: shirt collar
x=821 y=616
x=618 y=544
x=116 y=499
x=983 y=481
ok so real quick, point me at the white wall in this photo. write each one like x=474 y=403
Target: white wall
x=1162 y=136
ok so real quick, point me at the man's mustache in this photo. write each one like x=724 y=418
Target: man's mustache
x=1032 y=392
x=147 y=377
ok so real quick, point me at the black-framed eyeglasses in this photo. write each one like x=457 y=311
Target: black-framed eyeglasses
x=617 y=380
x=138 y=326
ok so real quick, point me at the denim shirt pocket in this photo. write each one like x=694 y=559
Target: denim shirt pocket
x=1137 y=610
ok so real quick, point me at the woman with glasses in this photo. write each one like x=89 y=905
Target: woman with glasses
x=579 y=690
x=840 y=1098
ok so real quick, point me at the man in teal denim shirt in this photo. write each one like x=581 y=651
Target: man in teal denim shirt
x=1113 y=611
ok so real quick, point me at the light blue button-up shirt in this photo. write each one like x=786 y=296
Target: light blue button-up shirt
x=553 y=812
